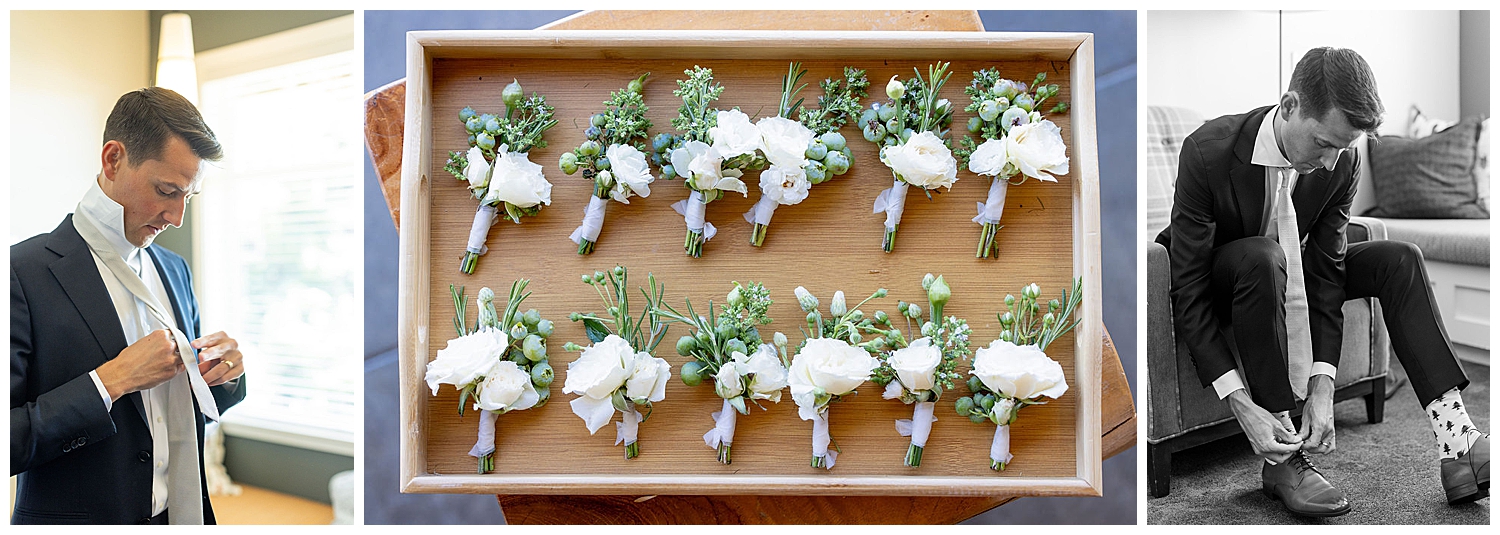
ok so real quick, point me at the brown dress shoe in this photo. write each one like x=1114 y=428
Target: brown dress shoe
x=1302 y=488
x=1467 y=478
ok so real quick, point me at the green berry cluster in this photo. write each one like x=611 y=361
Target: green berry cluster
x=715 y=338
x=914 y=107
x=528 y=333
x=623 y=122
x=1000 y=104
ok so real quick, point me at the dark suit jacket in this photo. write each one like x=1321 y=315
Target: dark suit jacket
x=77 y=463
x=1221 y=197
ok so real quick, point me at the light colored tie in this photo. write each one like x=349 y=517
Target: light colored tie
x=1298 y=331
x=185 y=494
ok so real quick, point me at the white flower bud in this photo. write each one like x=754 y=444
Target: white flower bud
x=837 y=307
x=895 y=89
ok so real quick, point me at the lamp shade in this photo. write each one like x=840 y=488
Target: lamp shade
x=175 y=69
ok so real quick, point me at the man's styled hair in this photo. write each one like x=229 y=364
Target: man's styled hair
x=1328 y=77
x=143 y=120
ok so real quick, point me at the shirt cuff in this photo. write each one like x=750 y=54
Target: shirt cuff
x=1324 y=368
x=1229 y=382
x=109 y=404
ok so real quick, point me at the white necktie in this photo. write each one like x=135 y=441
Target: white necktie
x=1298 y=331
x=185 y=497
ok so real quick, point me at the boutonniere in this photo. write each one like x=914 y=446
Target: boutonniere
x=806 y=151
x=713 y=152
x=618 y=372
x=918 y=373
x=727 y=350
x=612 y=158
x=909 y=130
x=1014 y=372
x=501 y=363
x=498 y=167
x=831 y=363
x=1018 y=143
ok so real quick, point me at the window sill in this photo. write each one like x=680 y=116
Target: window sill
x=288 y=434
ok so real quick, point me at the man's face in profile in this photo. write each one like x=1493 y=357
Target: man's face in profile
x=1311 y=142
x=154 y=192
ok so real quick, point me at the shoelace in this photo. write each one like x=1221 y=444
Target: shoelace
x=1304 y=463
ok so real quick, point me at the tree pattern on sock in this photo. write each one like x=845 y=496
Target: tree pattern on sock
x=1451 y=426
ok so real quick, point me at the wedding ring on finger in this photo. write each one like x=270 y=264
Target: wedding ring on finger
x=231 y=366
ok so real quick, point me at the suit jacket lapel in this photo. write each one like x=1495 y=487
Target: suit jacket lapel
x=1249 y=180
x=79 y=277
x=173 y=287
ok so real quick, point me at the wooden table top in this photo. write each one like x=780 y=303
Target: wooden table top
x=384 y=130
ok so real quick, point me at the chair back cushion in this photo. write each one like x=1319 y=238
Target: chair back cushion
x=1166 y=127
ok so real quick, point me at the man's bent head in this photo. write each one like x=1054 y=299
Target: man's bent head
x=155 y=142
x=1331 y=100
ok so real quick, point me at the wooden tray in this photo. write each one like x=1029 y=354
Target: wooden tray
x=829 y=242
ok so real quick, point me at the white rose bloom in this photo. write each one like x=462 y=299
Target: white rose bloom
x=734 y=135
x=1022 y=372
x=769 y=376
x=1037 y=150
x=785 y=185
x=700 y=165
x=922 y=161
x=506 y=388
x=988 y=158
x=478 y=170
x=466 y=358
x=916 y=364
x=630 y=169
x=517 y=181
x=833 y=365
x=600 y=370
x=730 y=381
x=648 y=380
x=785 y=141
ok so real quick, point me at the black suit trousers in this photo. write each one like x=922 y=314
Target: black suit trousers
x=1249 y=281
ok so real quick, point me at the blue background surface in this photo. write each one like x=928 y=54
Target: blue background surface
x=1115 y=93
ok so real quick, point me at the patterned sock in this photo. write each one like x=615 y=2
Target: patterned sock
x=1451 y=425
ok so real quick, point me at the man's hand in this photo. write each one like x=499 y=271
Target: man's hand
x=219 y=358
x=1268 y=436
x=148 y=362
x=1317 y=416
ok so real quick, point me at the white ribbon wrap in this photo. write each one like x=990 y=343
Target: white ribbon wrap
x=486 y=443
x=723 y=431
x=920 y=424
x=760 y=214
x=989 y=210
x=1000 y=448
x=593 y=220
x=484 y=218
x=628 y=426
x=821 y=439
x=892 y=201
x=693 y=211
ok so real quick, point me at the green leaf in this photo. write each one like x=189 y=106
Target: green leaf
x=739 y=404
x=595 y=329
x=463 y=399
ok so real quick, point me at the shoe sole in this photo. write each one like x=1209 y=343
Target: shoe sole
x=1341 y=512
x=1466 y=494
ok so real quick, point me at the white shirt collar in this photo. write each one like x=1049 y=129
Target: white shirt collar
x=109 y=216
x=1267 y=153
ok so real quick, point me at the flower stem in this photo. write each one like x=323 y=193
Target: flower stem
x=913 y=455
x=724 y=452
x=694 y=244
x=585 y=246
x=890 y=239
x=758 y=235
x=997 y=465
x=818 y=461
x=632 y=450
x=487 y=463
x=987 y=241
x=469 y=262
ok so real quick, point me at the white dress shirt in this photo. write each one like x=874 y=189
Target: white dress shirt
x=136 y=321
x=1268 y=154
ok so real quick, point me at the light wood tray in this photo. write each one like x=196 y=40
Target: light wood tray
x=829 y=242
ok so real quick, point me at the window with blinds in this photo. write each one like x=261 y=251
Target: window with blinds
x=278 y=247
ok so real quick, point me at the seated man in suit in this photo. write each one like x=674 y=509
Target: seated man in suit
x=109 y=381
x=1257 y=248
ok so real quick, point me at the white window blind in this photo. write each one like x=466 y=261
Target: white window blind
x=279 y=249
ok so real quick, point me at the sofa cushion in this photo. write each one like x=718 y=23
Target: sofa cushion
x=1461 y=241
x=1166 y=127
x=1431 y=177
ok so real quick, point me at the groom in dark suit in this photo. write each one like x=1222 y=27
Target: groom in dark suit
x=1258 y=253
x=93 y=308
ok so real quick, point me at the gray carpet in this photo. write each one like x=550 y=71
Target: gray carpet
x=1388 y=470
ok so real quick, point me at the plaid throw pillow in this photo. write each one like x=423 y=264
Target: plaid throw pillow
x=1428 y=178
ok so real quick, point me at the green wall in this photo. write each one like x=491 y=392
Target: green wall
x=284 y=469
